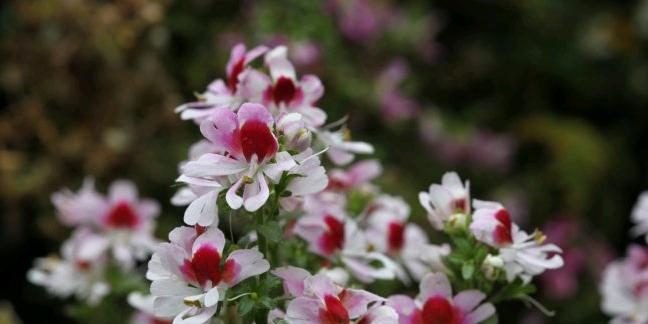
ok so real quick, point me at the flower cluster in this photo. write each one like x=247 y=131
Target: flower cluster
x=113 y=229
x=624 y=287
x=327 y=236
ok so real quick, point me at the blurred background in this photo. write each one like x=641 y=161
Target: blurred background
x=542 y=104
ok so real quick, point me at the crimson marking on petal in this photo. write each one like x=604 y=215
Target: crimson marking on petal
x=438 y=310
x=123 y=216
x=502 y=233
x=460 y=205
x=232 y=78
x=205 y=265
x=284 y=90
x=334 y=313
x=256 y=138
x=333 y=238
x=200 y=229
x=231 y=269
x=395 y=236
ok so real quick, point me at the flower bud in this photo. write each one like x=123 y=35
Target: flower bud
x=491 y=266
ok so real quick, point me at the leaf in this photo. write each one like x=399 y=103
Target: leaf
x=245 y=306
x=272 y=231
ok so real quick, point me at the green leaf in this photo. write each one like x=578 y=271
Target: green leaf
x=272 y=231
x=245 y=306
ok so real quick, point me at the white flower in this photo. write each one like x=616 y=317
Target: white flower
x=526 y=256
x=625 y=288
x=446 y=199
x=640 y=215
x=189 y=278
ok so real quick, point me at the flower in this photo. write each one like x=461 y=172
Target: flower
x=79 y=272
x=444 y=200
x=341 y=150
x=640 y=215
x=188 y=277
x=319 y=300
x=524 y=255
x=355 y=176
x=436 y=304
x=229 y=93
x=249 y=145
x=333 y=234
x=123 y=222
x=144 y=306
x=388 y=232
x=625 y=287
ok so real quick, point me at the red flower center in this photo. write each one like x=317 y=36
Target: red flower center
x=204 y=265
x=122 y=215
x=257 y=139
x=438 y=310
x=396 y=236
x=334 y=313
x=232 y=78
x=284 y=90
x=333 y=238
x=459 y=205
x=502 y=233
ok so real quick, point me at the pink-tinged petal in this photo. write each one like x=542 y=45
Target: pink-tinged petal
x=380 y=315
x=122 y=190
x=212 y=165
x=236 y=61
x=203 y=210
x=339 y=157
x=468 y=300
x=254 y=111
x=148 y=208
x=221 y=129
x=480 y=314
x=82 y=207
x=256 y=194
x=313 y=116
x=156 y=270
x=183 y=236
x=212 y=237
x=209 y=184
x=92 y=247
x=243 y=264
x=233 y=199
x=253 y=84
x=320 y=285
x=183 y=197
x=303 y=310
x=357 y=301
x=284 y=162
x=365 y=171
x=254 y=53
x=312 y=88
x=434 y=284
x=279 y=66
x=293 y=279
x=403 y=304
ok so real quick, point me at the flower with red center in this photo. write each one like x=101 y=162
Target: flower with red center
x=189 y=277
x=123 y=216
x=436 y=304
x=444 y=200
x=330 y=234
x=491 y=224
x=229 y=93
x=355 y=176
x=319 y=300
x=388 y=232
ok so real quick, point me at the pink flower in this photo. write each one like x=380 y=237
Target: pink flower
x=625 y=287
x=122 y=221
x=388 y=232
x=523 y=255
x=229 y=93
x=282 y=92
x=332 y=234
x=320 y=300
x=341 y=150
x=394 y=104
x=444 y=200
x=492 y=224
x=356 y=175
x=436 y=304
x=78 y=273
x=189 y=278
